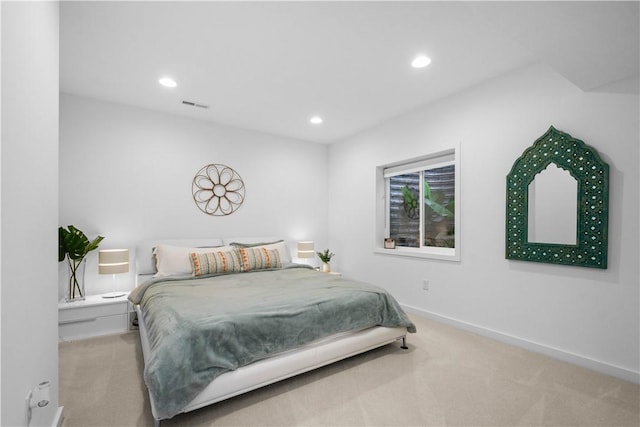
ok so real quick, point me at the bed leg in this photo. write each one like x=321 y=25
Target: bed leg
x=404 y=344
x=156 y=423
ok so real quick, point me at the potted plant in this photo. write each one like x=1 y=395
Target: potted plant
x=74 y=245
x=325 y=257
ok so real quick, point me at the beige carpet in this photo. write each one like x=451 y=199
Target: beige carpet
x=448 y=377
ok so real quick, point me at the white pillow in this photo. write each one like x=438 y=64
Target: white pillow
x=281 y=247
x=175 y=260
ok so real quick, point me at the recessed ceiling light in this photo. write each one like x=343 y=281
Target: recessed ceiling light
x=420 y=61
x=316 y=120
x=167 y=82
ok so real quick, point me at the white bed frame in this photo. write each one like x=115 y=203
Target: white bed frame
x=282 y=366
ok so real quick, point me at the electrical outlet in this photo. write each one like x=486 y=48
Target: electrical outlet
x=425 y=285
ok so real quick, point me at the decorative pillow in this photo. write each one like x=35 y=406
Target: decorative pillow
x=280 y=246
x=259 y=258
x=174 y=260
x=215 y=262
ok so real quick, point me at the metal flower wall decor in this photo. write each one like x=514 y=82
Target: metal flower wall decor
x=218 y=190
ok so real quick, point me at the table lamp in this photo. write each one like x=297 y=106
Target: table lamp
x=306 y=250
x=113 y=261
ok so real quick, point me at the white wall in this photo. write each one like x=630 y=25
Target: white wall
x=585 y=315
x=0 y=216
x=29 y=154
x=126 y=174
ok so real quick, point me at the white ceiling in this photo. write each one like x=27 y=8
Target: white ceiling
x=270 y=66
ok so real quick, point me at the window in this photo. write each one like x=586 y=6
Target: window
x=418 y=206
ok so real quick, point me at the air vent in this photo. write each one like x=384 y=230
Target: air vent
x=195 y=104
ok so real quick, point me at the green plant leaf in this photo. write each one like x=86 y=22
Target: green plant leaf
x=438 y=208
x=427 y=190
x=409 y=199
x=75 y=244
x=433 y=200
x=62 y=252
x=325 y=256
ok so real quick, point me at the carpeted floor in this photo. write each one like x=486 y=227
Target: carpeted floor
x=448 y=377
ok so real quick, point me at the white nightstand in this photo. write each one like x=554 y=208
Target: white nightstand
x=92 y=317
x=332 y=273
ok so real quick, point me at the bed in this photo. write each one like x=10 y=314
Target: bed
x=221 y=317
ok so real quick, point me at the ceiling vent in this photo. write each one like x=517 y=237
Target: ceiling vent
x=195 y=104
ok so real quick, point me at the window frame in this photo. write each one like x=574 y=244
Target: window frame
x=428 y=161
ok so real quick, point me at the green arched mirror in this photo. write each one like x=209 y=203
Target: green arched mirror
x=570 y=164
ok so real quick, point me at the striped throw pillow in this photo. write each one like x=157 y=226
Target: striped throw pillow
x=259 y=258
x=215 y=262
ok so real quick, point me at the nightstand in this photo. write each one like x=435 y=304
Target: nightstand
x=92 y=317
x=331 y=273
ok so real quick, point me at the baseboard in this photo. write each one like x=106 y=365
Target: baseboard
x=57 y=421
x=576 y=359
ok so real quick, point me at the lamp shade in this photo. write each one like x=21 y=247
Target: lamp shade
x=306 y=250
x=113 y=261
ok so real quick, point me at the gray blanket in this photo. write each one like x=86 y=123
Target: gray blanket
x=200 y=328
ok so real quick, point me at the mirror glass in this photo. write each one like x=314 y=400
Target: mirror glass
x=553 y=207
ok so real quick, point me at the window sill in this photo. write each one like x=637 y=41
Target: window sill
x=444 y=254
